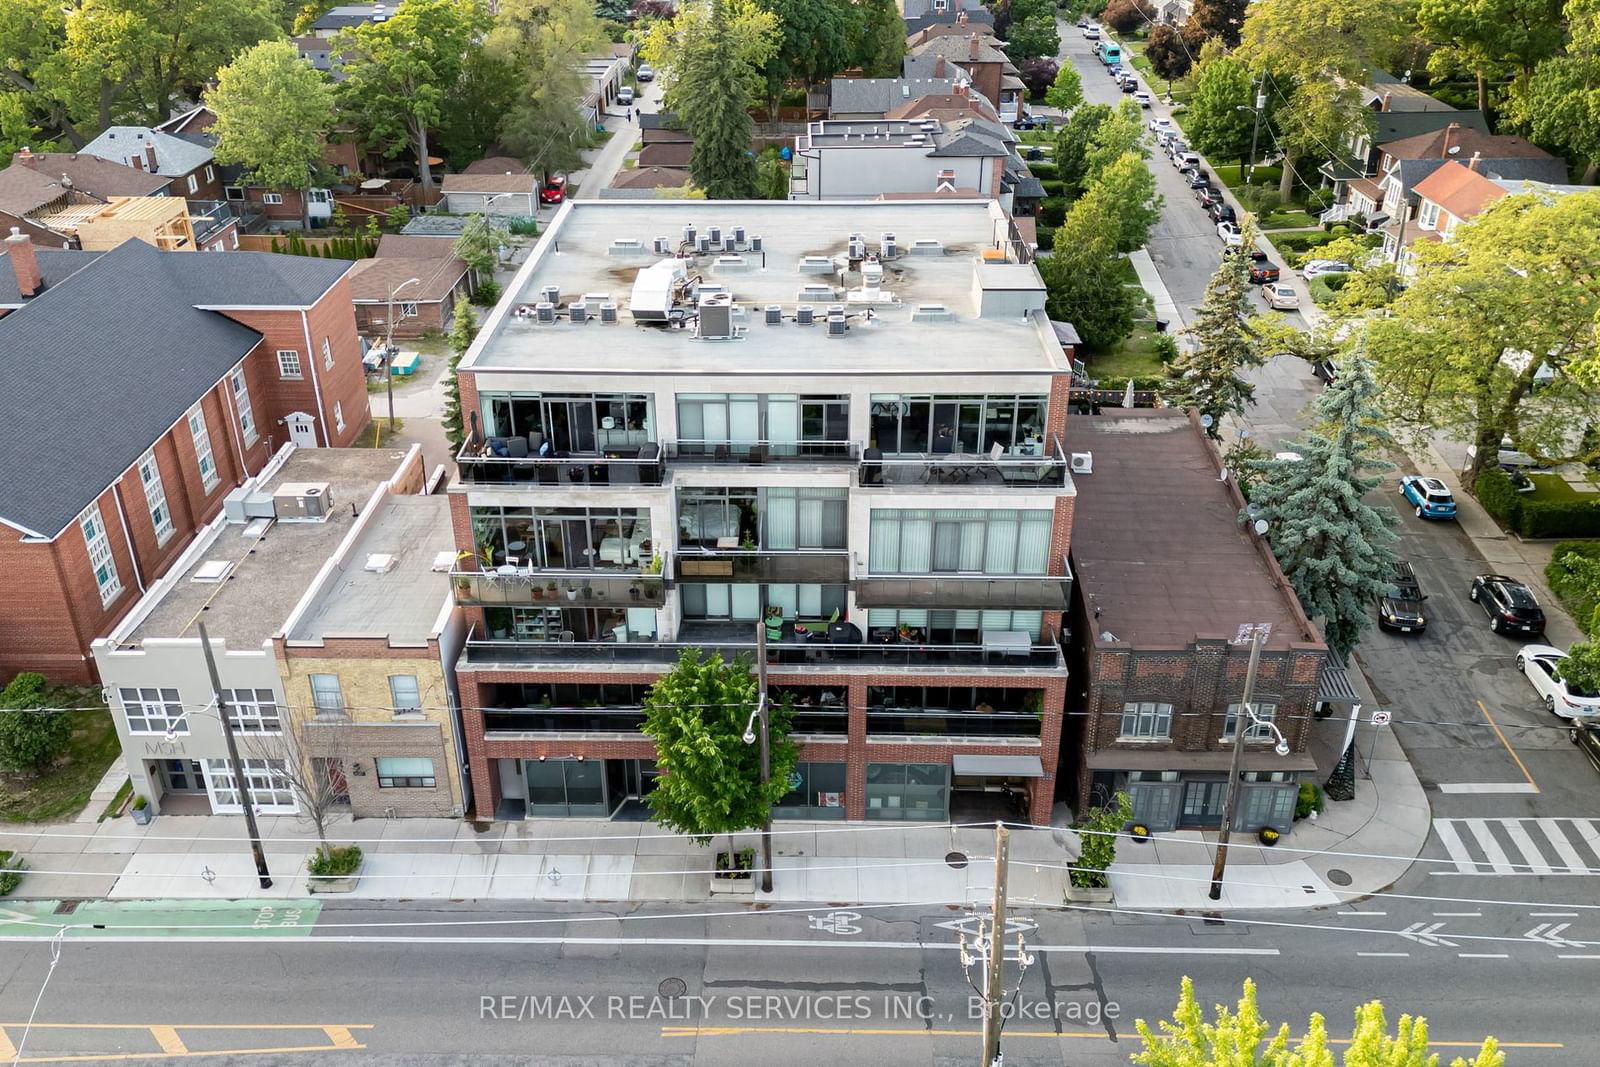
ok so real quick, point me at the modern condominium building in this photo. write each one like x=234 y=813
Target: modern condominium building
x=843 y=419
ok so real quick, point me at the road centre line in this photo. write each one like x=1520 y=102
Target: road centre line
x=1515 y=758
x=1553 y=914
x=1397 y=955
x=1485 y=788
x=1458 y=915
x=1482 y=956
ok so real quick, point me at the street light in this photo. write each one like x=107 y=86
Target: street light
x=388 y=347
x=1261 y=105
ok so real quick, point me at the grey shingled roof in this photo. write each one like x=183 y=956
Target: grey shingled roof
x=1029 y=188
x=875 y=96
x=101 y=365
x=175 y=156
x=56 y=265
x=1398 y=125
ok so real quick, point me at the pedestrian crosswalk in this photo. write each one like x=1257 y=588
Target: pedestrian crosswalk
x=1519 y=846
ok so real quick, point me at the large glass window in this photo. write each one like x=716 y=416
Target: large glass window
x=253 y=711
x=153 y=711
x=405 y=772
x=945 y=627
x=978 y=699
x=579 y=422
x=403 y=694
x=563 y=538
x=908 y=791
x=740 y=602
x=816 y=791
x=719 y=518
x=904 y=425
x=100 y=561
x=564 y=787
x=155 y=497
x=959 y=541
x=327 y=696
x=804 y=518
x=241 y=401
x=270 y=788
x=787 y=424
x=202 y=448
x=1255 y=731
x=1146 y=721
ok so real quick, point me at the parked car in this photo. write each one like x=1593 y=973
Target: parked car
x=1318 y=268
x=1130 y=84
x=1198 y=178
x=1221 y=212
x=625 y=96
x=1158 y=125
x=1164 y=138
x=1431 y=497
x=1231 y=237
x=1509 y=457
x=1510 y=605
x=1091 y=33
x=1279 y=297
x=1209 y=197
x=1033 y=122
x=1185 y=160
x=644 y=73
x=1540 y=664
x=1176 y=145
x=1262 y=269
x=1083 y=24
x=1142 y=99
x=1586 y=736
x=1400 y=605
x=1115 y=70
x=554 y=190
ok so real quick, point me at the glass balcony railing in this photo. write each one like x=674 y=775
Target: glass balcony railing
x=1045 y=469
x=932 y=722
x=494 y=464
x=523 y=586
x=880 y=657
x=756 y=452
x=1045 y=592
x=505 y=723
x=804 y=566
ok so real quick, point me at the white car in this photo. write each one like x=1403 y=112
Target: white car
x=1159 y=126
x=625 y=96
x=1231 y=237
x=1091 y=33
x=1280 y=297
x=1317 y=268
x=1142 y=98
x=1540 y=663
x=1185 y=160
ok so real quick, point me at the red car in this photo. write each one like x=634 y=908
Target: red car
x=553 y=191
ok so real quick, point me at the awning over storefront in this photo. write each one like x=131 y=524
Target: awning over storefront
x=1009 y=766
x=1335 y=687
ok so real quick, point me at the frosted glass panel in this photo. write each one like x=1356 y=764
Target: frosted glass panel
x=782 y=596
x=781 y=523
x=811 y=600
x=783 y=420
x=716 y=601
x=642 y=621
x=744 y=420
x=746 y=602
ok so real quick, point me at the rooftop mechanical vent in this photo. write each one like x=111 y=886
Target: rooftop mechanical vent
x=816 y=265
x=932 y=313
x=211 y=571
x=804 y=315
x=927 y=247
x=625 y=246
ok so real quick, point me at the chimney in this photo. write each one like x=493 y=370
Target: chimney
x=961 y=88
x=1472 y=164
x=24 y=263
x=961 y=18
x=1449 y=132
x=136 y=163
x=150 y=154
x=938 y=67
x=973 y=51
x=1387 y=97
x=25 y=157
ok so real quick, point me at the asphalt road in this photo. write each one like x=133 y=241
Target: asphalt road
x=669 y=986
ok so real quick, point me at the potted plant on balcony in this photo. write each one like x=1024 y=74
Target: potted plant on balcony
x=654 y=566
x=550 y=589
x=1090 y=880
x=572 y=592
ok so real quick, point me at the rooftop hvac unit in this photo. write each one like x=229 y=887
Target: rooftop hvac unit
x=715 y=233
x=755 y=243
x=545 y=310
x=244 y=503
x=703 y=244
x=730 y=244
x=716 y=316
x=738 y=234
x=578 y=311
x=305 y=501
x=837 y=326
x=803 y=314
x=608 y=313
x=1082 y=463
x=688 y=234
x=663 y=246
x=927 y=247
x=932 y=313
x=774 y=314
x=596 y=299
x=835 y=309
x=888 y=247
x=858 y=248
x=551 y=294
x=625 y=246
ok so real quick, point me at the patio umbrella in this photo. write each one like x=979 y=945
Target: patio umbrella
x=1127 y=397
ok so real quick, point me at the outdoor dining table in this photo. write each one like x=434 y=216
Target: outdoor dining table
x=958 y=466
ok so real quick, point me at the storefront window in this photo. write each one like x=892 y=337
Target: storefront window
x=817 y=792
x=908 y=791
x=566 y=787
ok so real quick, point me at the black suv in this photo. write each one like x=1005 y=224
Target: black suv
x=1400 y=605
x=1510 y=605
x=1221 y=212
x=1586 y=735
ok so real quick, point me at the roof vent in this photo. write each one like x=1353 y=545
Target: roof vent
x=578 y=311
x=608 y=313
x=816 y=265
x=597 y=298
x=732 y=264
x=625 y=246
x=211 y=571
x=804 y=315
x=932 y=313
x=927 y=247
x=381 y=562
x=545 y=310
x=817 y=293
x=774 y=314
x=716 y=317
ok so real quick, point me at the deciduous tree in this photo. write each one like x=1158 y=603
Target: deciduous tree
x=1066 y=90
x=1209 y=375
x=814 y=44
x=1119 y=135
x=1316 y=39
x=1488 y=37
x=1242 y=1037
x=710 y=778
x=1316 y=124
x=1038 y=74
x=879 y=42
x=1336 y=550
x=1073 y=142
x=1168 y=54
x=545 y=41
x=30 y=737
x=1512 y=291
x=1084 y=278
x=1215 y=125
x=1033 y=36
x=1130 y=187
x=274 y=111
x=1127 y=16
x=1221 y=20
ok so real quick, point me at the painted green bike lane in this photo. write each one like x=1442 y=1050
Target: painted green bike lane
x=157 y=918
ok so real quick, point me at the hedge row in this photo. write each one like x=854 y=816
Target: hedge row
x=1581 y=600
x=1052 y=211
x=1045 y=172
x=1531 y=516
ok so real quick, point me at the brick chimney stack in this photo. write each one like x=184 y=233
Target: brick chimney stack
x=1388 y=97
x=973 y=51
x=25 y=157
x=150 y=154
x=24 y=264
x=1472 y=164
x=1449 y=132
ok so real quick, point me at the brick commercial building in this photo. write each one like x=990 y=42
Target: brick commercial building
x=1167 y=575
x=849 y=413
x=330 y=626
x=141 y=387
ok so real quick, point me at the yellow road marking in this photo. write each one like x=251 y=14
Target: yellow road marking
x=7 y=1049
x=192 y=1026
x=1090 y=1035
x=167 y=1037
x=340 y=1036
x=1516 y=758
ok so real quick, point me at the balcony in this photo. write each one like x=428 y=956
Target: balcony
x=882 y=658
x=509 y=724
x=523 y=586
x=598 y=469
x=762 y=452
x=1045 y=592
x=1045 y=471
x=935 y=722
x=803 y=566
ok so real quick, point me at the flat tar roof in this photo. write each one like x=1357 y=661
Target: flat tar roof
x=402 y=603
x=271 y=569
x=573 y=256
x=1156 y=540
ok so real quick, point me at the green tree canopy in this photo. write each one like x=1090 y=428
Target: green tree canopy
x=463 y=328
x=1220 y=20
x=1213 y=121
x=1168 y=53
x=879 y=43
x=1242 y=1037
x=480 y=243
x=1336 y=549
x=1114 y=138
x=1487 y=37
x=1512 y=291
x=543 y=43
x=710 y=781
x=1130 y=188
x=1033 y=36
x=815 y=39
x=683 y=55
x=1315 y=39
x=1315 y=124
x=1208 y=376
x=30 y=739
x=1559 y=106
x=1083 y=276
x=400 y=73
x=274 y=111
x=1066 y=92
x=1073 y=142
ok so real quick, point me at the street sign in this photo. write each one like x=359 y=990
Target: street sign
x=1381 y=718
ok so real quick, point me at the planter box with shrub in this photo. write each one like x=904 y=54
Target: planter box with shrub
x=734 y=874
x=11 y=868
x=336 y=872
x=141 y=810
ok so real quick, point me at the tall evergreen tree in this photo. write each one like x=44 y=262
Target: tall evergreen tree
x=1336 y=549
x=721 y=162
x=1207 y=375
x=463 y=328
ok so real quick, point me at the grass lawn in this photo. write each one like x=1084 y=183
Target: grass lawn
x=1133 y=357
x=1553 y=487
x=374 y=432
x=1288 y=220
x=64 y=791
x=1265 y=175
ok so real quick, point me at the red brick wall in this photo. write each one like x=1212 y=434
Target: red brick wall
x=372 y=319
x=39 y=628
x=1055 y=422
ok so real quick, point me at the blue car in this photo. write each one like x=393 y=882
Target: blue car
x=1431 y=497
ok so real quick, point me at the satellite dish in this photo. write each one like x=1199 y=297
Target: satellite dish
x=1261 y=526
x=1206 y=421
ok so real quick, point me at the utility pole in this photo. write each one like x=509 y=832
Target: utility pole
x=388 y=347
x=1261 y=105
x=993 y=979
x=766 y=750
x=1258 y=636
x=241 y=780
